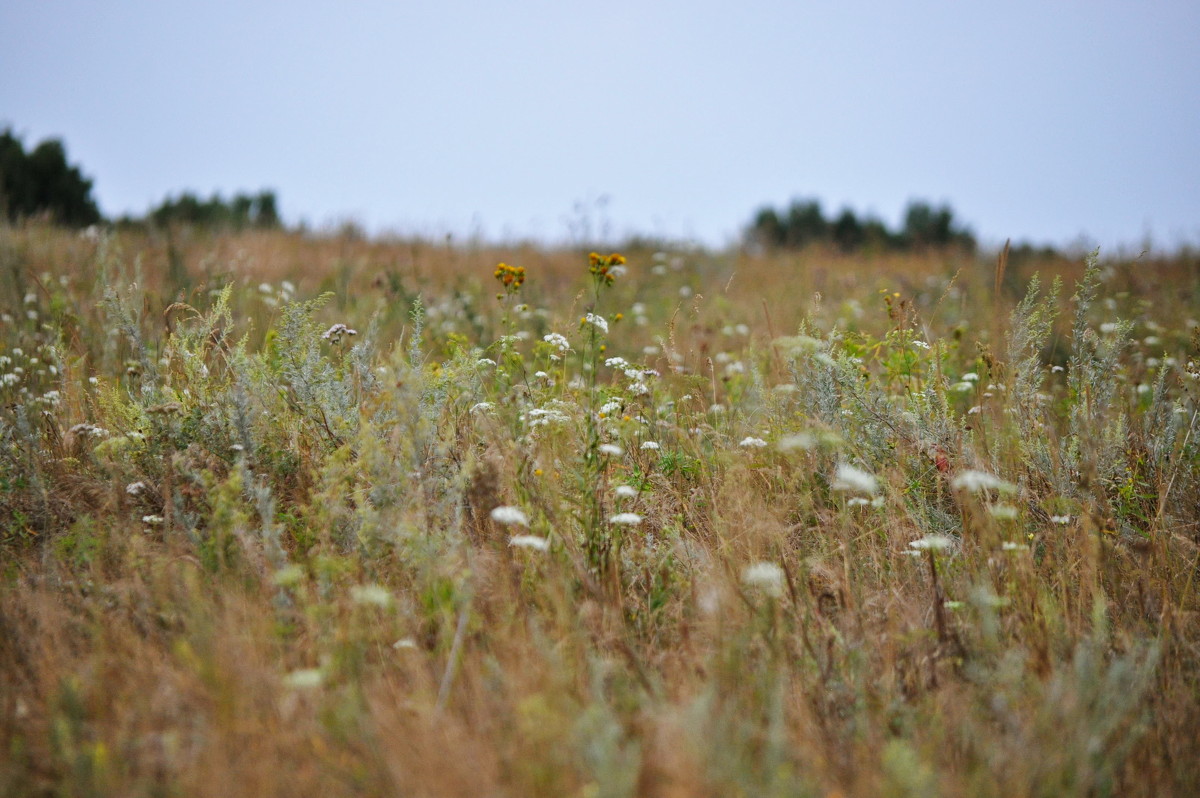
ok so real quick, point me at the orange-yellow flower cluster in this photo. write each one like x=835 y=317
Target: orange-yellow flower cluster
x=601 y=266
x=510 y=276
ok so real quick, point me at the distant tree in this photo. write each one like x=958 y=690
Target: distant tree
x=767 y=229
x=927 y=226
x=42 y=182
x=847 y=232
x=803 y=224
x=243 y=211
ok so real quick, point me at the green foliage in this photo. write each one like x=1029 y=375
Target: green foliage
x=803 y=223
x=42 y=182
x=240 y=212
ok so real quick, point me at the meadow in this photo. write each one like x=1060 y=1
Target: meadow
x=287 y=514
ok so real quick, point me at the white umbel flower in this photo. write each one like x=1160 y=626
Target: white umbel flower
x=558 y=341
x=765 y=576
x=974 y=481
x=932 y=543
x=508 y=515
x=849 y=479
x=752 y=443
x=625 y=519
x=529 y=542
x=374 y=595
x=599 y=322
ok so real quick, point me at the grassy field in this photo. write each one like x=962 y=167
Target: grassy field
x=294 y=515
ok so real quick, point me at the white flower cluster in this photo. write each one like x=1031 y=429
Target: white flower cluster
x=335 y=333
x=86 y=430
x=974 y=481
x=599 y=322
x=532 y=542
x=848 y=479
x=766 y=577
x=559 y=342
x=509 y=516
x=541 y=416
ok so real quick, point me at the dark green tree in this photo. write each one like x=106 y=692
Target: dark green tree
x=242 y=211
x=926 y=226
x=43 y=183
x=847 y=232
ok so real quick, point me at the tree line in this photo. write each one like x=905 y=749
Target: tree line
x=804 y=223
x=40 y=183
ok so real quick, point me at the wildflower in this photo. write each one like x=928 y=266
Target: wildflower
x=626 y=491
x=765 y=576
x=649 y=445
x=404 y=643
x=639 y=389
x=371 y=594
x=611 y=449
x=1003 y=512
x=625 y=519
x=932 y=543
x=481 y=407
x=752 y=443
x=1010 y=546
x=485 y=361
x=970 y=376
x=335 y=333
x=288 y=576
x=598 y=322
x=606 y=268
x=920 y=344
x=304 y=679
x=529 y=542
x=511 y=277
x=610 y=407
x=508 y=515
x=558 y=341
x=152 y=520
x=88 y=429
x=617 y=363
x=1060 y=519
x=135 y=488
x=976 y=481
x=801 y=440
x=849 y=479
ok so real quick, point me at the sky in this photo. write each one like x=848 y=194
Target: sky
x=1063 y=123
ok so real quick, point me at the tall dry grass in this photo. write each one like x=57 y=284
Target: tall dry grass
x=244 y=559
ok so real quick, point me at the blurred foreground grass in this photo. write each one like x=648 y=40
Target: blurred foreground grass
x=284 y=515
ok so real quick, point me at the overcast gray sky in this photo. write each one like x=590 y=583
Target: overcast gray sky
x=1035 y=120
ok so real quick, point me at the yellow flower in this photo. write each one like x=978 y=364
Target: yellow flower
x=510 y=276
